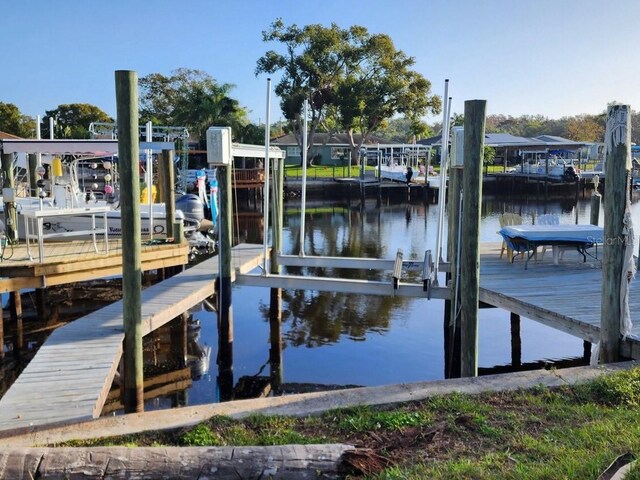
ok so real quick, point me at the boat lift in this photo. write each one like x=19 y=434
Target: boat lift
x=426 y=288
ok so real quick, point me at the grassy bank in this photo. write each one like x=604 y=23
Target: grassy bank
x=541 y=433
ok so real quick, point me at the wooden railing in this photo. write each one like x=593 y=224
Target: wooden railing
x=248 y=178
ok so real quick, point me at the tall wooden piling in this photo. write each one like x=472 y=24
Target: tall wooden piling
x=129 y=157
x=616 y=195
x=225 y=310
x=167 y=190
x=474 y=122
x=11 y=228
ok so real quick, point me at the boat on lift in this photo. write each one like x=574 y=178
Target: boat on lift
x=86 y=181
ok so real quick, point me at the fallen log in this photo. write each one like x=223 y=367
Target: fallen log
x=277 y=462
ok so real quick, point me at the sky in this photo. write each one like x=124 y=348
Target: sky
x=524 y=57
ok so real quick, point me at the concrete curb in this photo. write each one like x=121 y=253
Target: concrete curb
x=301 y=405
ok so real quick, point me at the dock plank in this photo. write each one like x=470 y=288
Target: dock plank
x=566 y=296
x=70 y=376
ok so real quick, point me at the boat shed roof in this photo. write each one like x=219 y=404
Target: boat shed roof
x=506 y=140
x=74 y=147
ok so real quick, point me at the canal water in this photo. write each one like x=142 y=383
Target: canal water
x=332 y=340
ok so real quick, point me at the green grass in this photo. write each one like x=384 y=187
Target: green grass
x=540 y=433
x=325 y=172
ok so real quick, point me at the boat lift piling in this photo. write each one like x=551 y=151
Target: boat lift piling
x=452 y=315
x=128 y=149
x=220 y=156
x=474 y=119
x=167 y=192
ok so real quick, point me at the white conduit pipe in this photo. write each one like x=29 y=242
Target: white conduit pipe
x=304 y=175
x=443 y=179
x=265 y=195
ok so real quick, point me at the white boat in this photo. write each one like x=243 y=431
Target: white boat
x=63 y=193
x=554 y=167
x=401 y=163
x=395 y=172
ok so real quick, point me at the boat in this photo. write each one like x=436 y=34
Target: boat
x=403 y=163
x=553 y=167
x=90 y=183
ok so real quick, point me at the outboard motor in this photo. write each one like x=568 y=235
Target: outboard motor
x=191 y=206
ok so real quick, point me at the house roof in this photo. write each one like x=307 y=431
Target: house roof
x=5 y=135
x=337 y=139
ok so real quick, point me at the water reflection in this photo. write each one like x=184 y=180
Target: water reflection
x=295 y=340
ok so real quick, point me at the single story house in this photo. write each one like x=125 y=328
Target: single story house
x=328 y=149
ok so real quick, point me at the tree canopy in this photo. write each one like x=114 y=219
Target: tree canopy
x=14 y=122
x=72 y=120
x=358 y=79
x=192 y=99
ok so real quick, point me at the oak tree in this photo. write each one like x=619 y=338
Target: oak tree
x=359 y=79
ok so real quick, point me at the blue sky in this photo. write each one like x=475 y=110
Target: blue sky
x=549 y=57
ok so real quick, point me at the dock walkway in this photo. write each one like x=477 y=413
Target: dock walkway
x=77 y=261
x=566 y=297
x=70 y=376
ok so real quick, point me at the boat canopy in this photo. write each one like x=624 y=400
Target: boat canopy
x=75 y=147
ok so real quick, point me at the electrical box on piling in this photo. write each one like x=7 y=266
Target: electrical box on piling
x=457 y=147
x=219 y=146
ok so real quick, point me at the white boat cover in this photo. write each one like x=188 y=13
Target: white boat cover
x=555 y=233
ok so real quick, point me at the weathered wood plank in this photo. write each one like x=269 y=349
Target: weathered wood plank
x=72 y=373
x=565 y=296
x=277 y=462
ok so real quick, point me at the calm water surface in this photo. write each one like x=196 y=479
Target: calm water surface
x=332 y=339
x=338 y=339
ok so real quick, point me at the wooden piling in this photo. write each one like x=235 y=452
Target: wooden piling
x=616 y=195
x=225 y=310
x=129 y=158
x=516 y=341
x=586 y=350
x=11 y=228
x=167 y=190
x=474 y=122
x=42 y=304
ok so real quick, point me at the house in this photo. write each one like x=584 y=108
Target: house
x=330 y=149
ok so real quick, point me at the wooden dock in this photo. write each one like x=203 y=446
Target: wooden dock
x=76 y=261
x=70 y=376
x=566 y=297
